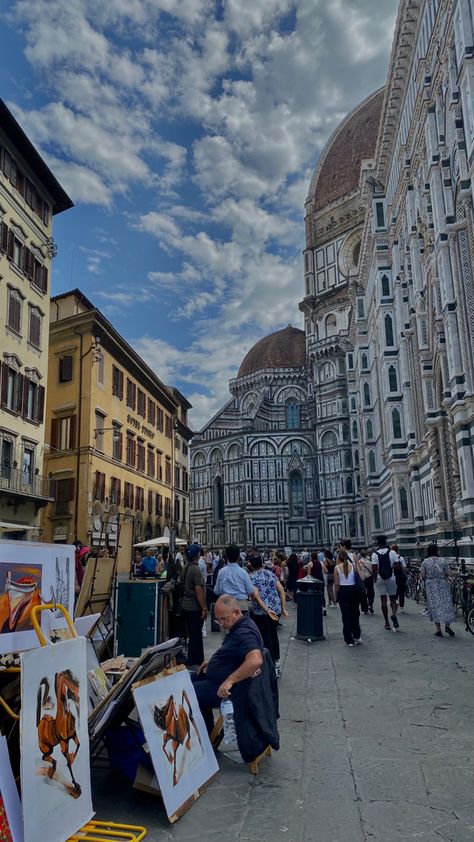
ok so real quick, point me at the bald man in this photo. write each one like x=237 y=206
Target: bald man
x=239 y=657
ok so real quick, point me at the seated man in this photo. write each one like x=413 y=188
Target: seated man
x=240 y=657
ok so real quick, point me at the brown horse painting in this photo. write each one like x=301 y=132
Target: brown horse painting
x=58 y=730
x=18 y=598
x=176 y=723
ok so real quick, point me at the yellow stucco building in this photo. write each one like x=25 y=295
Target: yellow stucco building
x=29 y=197
x=111 y=433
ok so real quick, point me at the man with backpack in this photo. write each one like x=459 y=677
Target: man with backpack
x=385 y=564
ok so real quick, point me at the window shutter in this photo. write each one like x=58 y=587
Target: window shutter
x=26 y=388
x=72 y=432
x=19 y=393
x=120 y=384
x=118 y=492
x=120 y=446
x=70 y=488
x=54 y=432
x=102 y=487
x=10 y=245
x=4 y=395
x=65 y=369
x=40 y=404
x=44 y=279
x=4 y=242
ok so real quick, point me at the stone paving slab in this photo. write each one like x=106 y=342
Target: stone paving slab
x=377 y=743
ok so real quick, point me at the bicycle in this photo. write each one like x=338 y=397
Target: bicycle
x=463 y=595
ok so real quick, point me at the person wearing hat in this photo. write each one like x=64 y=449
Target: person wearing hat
x=193 y=605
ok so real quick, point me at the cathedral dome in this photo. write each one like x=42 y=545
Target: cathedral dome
x=354 y=140
x=282 y=349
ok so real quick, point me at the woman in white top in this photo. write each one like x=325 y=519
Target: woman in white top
x=346 y=594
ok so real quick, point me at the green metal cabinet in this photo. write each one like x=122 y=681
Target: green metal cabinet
x=138 y=616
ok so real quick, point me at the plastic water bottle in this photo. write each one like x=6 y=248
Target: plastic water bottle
x=227 y=711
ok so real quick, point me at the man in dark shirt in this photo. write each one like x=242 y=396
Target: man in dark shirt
x=239 y=657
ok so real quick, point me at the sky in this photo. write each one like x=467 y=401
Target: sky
x=186 y=132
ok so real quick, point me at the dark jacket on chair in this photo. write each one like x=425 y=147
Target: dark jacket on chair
x=256 y=711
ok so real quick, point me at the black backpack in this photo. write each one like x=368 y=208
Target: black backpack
x=385 y=565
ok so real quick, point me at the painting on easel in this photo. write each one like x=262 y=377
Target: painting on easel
x=20 y=591
x=55 y=763
x=180 y=749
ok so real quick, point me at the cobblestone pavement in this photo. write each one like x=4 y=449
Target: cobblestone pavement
x=377 y=743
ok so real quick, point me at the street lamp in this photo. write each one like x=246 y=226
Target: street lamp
x=99 y=430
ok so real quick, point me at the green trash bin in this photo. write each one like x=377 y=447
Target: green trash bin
x=309 y=602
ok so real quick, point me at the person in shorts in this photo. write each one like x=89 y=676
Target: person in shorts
x=384 y=566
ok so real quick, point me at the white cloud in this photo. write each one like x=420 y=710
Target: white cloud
x=208 y=118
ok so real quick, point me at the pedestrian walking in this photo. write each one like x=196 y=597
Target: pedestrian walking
x=434 y=571
x=364 y=569
x=193 y=605
x=272 y=594
x=346 y=594
x=384 y=564
x=400 y=578
x=293 y=567
x=328 y=573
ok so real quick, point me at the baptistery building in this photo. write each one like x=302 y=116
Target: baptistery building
x=367 y=424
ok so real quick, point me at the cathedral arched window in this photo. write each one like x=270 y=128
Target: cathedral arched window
x=353 y=404
x=349 y=486
x=396 y=424
x=388 y=331
x=326 y=372
x=331 y=325
x=292 y=415
x=345 y=432
x=403 y=496
x=376 y=513
x=356 y=457
x=392 y=379
x=361 y=525
x=358 y=482
x=364 y=362
x=385 y=286
x=372 y=466
x=296 y=494
x=369 y=429
x=366 y=394
x=328 y=440
x=348 y=459
x=218 y=500
x=355 y=431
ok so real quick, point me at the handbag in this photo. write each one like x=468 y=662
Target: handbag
x=365 y=573
x=359 y=584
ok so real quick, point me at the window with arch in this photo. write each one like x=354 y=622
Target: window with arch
x=218 y=500
x=403 y=497
x=376 y=514
x=385 y=285
x=293 y=417
x=369 y=429
x=348 y=459
x=349 y=486
x=364 y=361
x=392 y=379
x=326 y=372
x=388 y=331
x=358 y=482
x=331 y=325
x=396 y=424
x=361 y=525
x=328 y=440
x=353 y=404
x=366 y=394
x=296 y=494
x=356 y=457
x=372 y=465
x=345 y=432
x=355 y=431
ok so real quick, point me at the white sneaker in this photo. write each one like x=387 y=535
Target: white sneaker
x=204 y=630
x=424 y=613
x=357 y=641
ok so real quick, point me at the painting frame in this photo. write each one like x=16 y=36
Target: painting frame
x=55 y=778
x=182 y=773
x=10 y=807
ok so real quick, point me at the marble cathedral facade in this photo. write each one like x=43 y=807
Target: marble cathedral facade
x=386 y=389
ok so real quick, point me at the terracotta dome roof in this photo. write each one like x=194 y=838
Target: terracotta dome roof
x=282 y=349
x=354 y=140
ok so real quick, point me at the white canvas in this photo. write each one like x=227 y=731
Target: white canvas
x=62 y=586
x=169 y=705
x=56 y=797
x=11 y=826
x=28 y=569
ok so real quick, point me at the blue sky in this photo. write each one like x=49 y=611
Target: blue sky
x=186 y=133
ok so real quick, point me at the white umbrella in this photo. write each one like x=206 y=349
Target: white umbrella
x=163 y=541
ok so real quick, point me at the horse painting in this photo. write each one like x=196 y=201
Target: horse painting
x=59 y=729
x=176 y=722
x=19 y=596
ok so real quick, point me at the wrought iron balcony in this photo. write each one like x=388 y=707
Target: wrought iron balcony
x=25 y=484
